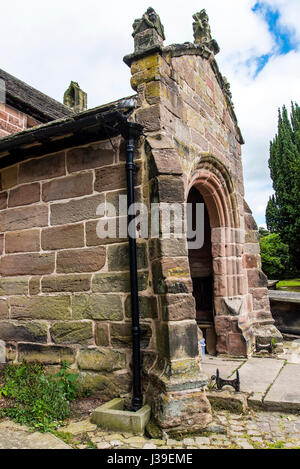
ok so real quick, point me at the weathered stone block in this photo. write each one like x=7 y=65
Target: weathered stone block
x=22 y=241
x=102 y=334
x=68 y=187
x=79 y=159
x=27 y=264
x=71 y=333
x=63 y=237
x=165 y=162
x=92 y=238
x=256 y=278
x=171 y=276
x=113 y=198
x=24 y=218
x=14 y=286
x=98 y=307
x=111 y=178
x=4 y=310
x=76 y=210
x=24 y=332
x=159 y=248
x=101 y=359
x=118 y=257
x=251 y=262
x=82 y=260
x=114 y=283
x=50 y=308
x=177 y=341
x=9 y=177
x=146 y=63
x=46 y=354
x=34 y=286
x=147 y=307
x=24 y=195
x=177 y=307
x=121 y=335
x=181 y=412
x=168 y=189
x=11 y=351
x=150 y=117
x=38 y=169
x=66 y=283
x=100 y=385
x=153 y=91
x=237 y=345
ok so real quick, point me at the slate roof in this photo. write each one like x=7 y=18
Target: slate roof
x=31 y=101
x=100 y=123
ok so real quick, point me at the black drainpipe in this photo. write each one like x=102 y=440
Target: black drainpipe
x=131 y=132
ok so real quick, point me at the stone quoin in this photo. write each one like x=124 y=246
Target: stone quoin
x=65 y=293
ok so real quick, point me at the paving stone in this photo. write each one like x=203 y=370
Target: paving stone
x=103 y=445
x=157 y=442
x=13 y=436
x=188 y=441
x=237 y=429
x=76 y=428
x=136 y=439
x=257 y=374
x=244 y=444
x=226 y=367
x=285 y=392
x=116 y=443
x=202 y=441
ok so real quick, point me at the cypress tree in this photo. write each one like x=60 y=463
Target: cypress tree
x=283 y=211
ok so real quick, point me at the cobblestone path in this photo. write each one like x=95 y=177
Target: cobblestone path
x=255 y=430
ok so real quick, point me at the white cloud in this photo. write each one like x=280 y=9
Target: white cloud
x=47 y=44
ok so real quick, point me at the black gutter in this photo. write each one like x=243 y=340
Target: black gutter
x=131 y=132
x=87 y=127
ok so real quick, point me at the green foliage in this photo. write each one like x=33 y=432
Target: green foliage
x=35 y=398
x=275 y=256
x=67 y=381
x=283 y=211
x=263 y=232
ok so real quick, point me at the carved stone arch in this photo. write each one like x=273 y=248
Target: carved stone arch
x=217 y=189
x=214 y=182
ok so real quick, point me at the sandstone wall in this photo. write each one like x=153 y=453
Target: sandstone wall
x=194 y=141
x=64 y=292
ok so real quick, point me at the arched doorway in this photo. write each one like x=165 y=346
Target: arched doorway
x=201 y=267
x=211 y=184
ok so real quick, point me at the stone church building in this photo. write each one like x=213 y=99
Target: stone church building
x=65 y=292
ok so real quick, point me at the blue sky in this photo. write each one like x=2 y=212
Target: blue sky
x=48 y=44
x=283 y=36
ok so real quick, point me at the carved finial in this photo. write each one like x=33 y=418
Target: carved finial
x=227 y=87
x=202 y=32
x=75 y=98
x=227 y=90
x=148 y=31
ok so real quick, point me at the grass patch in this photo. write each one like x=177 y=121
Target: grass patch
x=66 y=437
x=289 y=285
x=90 y=445
x=277 y=445
x=34 y=398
